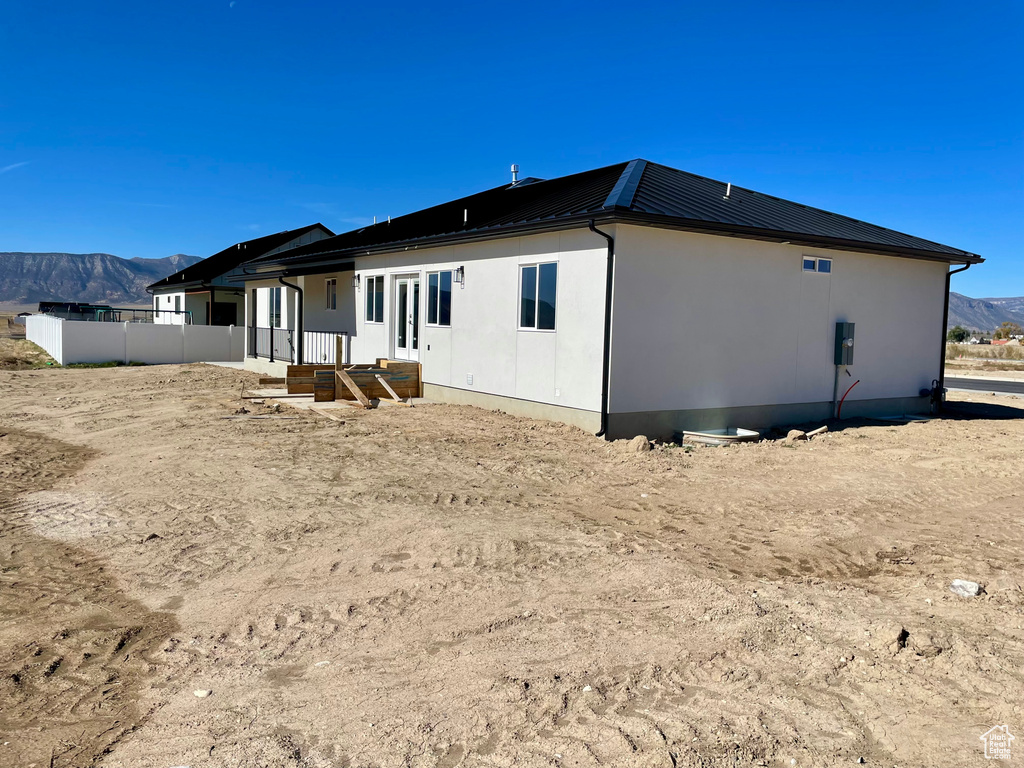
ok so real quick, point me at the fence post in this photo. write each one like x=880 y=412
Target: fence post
x=125 y=329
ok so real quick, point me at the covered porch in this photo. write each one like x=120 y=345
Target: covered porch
x=299 y=320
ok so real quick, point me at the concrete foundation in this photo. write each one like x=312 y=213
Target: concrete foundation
x=264 y=367
x=586 y=420
x=664 y=424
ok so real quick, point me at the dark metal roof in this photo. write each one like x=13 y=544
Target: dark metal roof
x=637 y=192
x=677 y=194
x=214 y=266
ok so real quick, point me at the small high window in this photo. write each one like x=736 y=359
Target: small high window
x=537 y=296
x=812 y=264
x=439 y=298
x=375 y=299
x=331 y=290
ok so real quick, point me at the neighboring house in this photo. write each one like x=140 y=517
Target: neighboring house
x=201 y=294
x=629 y=299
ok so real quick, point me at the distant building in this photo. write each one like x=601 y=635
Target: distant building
x=74 y=310
x=201 y=294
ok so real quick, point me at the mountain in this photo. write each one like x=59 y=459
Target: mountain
x=984 y=314
x=26 y=278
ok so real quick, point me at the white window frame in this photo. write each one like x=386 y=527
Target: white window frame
x=536 y=296
x=436 y=322
x=331 y=294
x=274 y=304
x=816 y=261
x=371 y=294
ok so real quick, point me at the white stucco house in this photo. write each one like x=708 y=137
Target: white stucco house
x=200 y=294
x=630 y=299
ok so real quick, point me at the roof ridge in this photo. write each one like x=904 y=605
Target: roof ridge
x=624 y=191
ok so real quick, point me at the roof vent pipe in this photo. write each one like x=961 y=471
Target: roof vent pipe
x=728 y=190
x=515 y=173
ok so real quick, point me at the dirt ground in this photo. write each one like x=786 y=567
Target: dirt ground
x=446 y=586
x=17 y=354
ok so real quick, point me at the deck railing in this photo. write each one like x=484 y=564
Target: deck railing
x=319 y=347
x=275 y=344
x=278 y=345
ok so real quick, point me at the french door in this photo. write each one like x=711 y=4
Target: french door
x=407 y=318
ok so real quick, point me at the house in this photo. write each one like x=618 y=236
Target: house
x=630 y=299
x=74 y=310
x=201 y=294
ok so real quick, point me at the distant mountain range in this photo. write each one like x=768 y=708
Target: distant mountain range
x=26 y=278
x=984 y=314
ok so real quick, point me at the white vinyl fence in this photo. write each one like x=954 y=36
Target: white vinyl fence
x=74 y=341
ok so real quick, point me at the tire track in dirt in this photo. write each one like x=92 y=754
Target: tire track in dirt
x=74 y=650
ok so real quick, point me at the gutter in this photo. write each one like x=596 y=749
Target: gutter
x=945 y=321
x=606 y=356
x=298 y=322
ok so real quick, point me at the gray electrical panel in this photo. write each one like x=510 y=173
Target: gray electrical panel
x=844 y=344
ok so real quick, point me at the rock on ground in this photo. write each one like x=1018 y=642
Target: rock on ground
x=639 y=444
x=965 y=588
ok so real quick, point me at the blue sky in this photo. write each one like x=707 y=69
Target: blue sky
x=151 y=128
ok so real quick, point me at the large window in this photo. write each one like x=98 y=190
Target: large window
x=375 y=299
x=275 y=307
x=331 y=290
x=537 y=290
x=439 y=298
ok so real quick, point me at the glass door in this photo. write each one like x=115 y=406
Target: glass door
x=407 y=318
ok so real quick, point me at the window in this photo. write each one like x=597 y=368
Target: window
x=537 y=292
x=812 y=264
x=375 y=299
x=275 y=307
x=439 y=298
x=156 y=307
x=177 y=303
x=331 y=289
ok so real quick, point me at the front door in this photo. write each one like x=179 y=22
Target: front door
x=407 y=318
